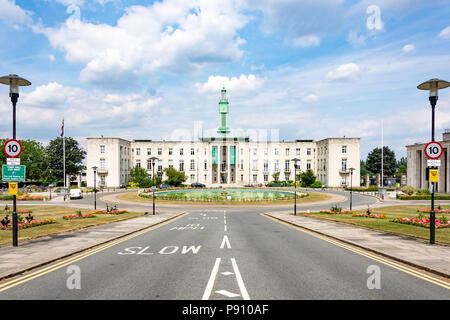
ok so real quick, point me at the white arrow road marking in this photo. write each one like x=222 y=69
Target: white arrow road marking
x=227 y=273
x=225 y=228
x=244 y=292
x=211 y=280
x=225 y=241
x=227 y=293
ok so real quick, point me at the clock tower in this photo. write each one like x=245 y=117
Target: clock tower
x=223 y=111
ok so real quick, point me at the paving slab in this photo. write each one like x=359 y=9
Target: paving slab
x=434 y=258
x=36 y=252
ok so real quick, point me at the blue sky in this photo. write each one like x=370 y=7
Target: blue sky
x=310 y=69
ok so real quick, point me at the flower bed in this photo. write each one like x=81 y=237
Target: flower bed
x=24 y=211
x=369 y=215
x=335 y=212
x=111 y=212
x=78 y=216
x=29 y=197
x=425 y=223
x=26 y=224
x=435 y=210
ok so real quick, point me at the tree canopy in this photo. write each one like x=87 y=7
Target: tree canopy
x=389 y=163
x=74 y=158
x=174 y=177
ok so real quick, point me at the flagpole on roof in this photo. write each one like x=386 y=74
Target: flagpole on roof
x=64 y=152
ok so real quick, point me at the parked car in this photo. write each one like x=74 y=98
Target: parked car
x=198 y=185
x=76 y=194
x=164 y=186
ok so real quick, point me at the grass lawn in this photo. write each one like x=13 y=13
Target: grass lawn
x=442 y=235
x=313 y=197
x=61 y=225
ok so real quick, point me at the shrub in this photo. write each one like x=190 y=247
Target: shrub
x=316 y=184
x=408 y=190
x=423 y=191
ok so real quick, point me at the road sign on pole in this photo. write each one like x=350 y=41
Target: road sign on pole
x=433 y=150
x=12 y=148
x=434 y=175
x=13 y=173
x=12 y=188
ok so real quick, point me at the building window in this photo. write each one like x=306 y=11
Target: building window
x=206 y=165
x=181 y=151
x=149 y=164
x=265 y=151
x=297 y=151
x=192 y=177
x=138 y=151
x=255 y=178
x=276 y=151
x=138 y=163
x=255 y=164
x=102 y=149
x=170 y=151
x=102 y=165
x=266 y=178
x=149 y=151
x=170 y=164
x=344 y=165
x=276 y=166
x=242 y=178
x=308 y=151
x=255 y=151
x=287 y=151
x=159 y=151
x=266 y=165
x=192 y=164
x=344 y=149
x=160 y=166
x=192 y=151
x=286 y=165
x=308 y=164
x=181 y=165
x=242 y=164
x=242 y=151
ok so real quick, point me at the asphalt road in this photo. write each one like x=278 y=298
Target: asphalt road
x=218 y=254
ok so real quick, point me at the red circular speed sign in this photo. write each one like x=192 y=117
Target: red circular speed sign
x=12 y=148
x=433 y=150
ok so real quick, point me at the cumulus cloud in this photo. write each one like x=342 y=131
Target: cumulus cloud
x=445 y=33
x=407 y=48
x=171 y=36
x=346 y=72
x=310 y=98
x=236 y=85
x=306 y=41
x=13 y=14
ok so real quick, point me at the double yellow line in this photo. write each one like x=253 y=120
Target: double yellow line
x=390 y=263
x=25 y=278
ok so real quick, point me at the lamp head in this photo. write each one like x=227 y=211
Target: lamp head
x=14 y=82
x=433 y=85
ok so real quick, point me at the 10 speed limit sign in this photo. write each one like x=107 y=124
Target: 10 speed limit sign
x=12 y=148
x=433 y=150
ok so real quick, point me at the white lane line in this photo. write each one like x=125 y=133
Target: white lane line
x=244 y=292
x=226 y=242
x=211 y=280
x=225 y=228
x=228 y=293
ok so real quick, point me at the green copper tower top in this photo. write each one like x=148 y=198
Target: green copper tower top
x=223 y=111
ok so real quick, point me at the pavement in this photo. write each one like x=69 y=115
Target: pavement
x=434 y=258
x=40 y=251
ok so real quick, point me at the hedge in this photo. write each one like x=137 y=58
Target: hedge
x=422 y=197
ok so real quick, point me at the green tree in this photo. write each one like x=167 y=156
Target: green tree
x=307 y=178
x=276 y=176
x=139 y=175
x=74 y=158
x=174 y=177
x=363 y=169
x=389 y=162
x=33 y=157
x=402 y=166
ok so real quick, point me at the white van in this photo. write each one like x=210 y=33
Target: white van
x=76 y=194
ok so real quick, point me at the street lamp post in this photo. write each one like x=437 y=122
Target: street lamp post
x=433 y=85
x=14 y=82
x=295 y=185
x=153 y=159
x=95 y=186
x=351 y=187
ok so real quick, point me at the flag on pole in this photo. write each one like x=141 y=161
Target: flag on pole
x=62 y=128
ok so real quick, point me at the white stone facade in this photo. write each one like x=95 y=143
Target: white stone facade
x=254 y=162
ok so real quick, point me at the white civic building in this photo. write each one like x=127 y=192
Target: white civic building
x=225 y=160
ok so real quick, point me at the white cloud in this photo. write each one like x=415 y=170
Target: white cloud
x=356 y=40
x=12 y=13
x=445 y=33
x=51 y=57
x=306 y=41
x=407 y=48
x=348 y=71
x=310 y=98
x=172 y=36
x=239 y=85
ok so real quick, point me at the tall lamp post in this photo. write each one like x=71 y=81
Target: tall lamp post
x=295 y=185
x=433 y=85
x=153 y=159
x=95 y=186
x=14 y=82
x=351 y=187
